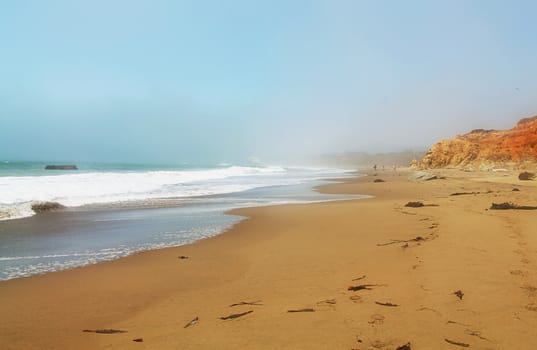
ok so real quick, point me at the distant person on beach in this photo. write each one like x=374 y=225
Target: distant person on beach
x=375 y=167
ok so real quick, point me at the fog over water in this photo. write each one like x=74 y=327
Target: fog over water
x=232 y=81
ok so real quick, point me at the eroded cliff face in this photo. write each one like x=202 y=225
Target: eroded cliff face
x=486 y=147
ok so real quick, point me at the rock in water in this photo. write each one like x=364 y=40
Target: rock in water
x=43 y=207
x=61 y=167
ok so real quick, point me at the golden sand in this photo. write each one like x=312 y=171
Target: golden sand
x=305 y=258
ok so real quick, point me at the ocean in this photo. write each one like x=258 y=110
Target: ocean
x=113 y=210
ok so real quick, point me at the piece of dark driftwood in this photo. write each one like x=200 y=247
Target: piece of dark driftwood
x=302 y=310
x=459 y=294
x=359 y=278
x=475 y=334
x=463 y=193
x=104 y=331
x=361 y=287
x=138 y=340
x=404 y=347
x=192 y=322
x=396 y=241
x=234 y=316
x=255 y=303
x=464 y=345
x=508 y=205
x=414 y=204
x=386 y=304
x=379 y=180
x=182 y=257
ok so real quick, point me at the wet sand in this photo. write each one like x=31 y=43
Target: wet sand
x=300 y=257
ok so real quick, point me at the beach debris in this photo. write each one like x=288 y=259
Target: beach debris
x=254 y=303
x=183 y=257
x=386 y=304
x=355 y=298
x=464 y=193
x=526 y=176
x=509 y=205
x=475 y=334
x=138 y=340
x=327 y=302
x=234 y=316
x=379 y=180
x=515 y=189
x=377 y=319
x=104 y=331
x=405 y=246
x=302 y=310
x=459 y=294
x=43 y=207
x=395 y=241
x=464 y=345
x=459 y=323
x=414 y=204
x=192 y=322
x=362 y=286
x=404 y=347
x=359 y=278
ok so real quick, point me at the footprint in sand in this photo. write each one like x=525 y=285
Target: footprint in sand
x=377 y=319
x=531 y=290
x=356 y=299
x=518 y=273
x=532 y=307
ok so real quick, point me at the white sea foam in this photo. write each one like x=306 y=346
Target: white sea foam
x=17 y=193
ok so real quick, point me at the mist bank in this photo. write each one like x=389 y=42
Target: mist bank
x=365 y=159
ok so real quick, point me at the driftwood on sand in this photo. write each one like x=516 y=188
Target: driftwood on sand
x=395 y=241
x=104 y=331
x=464 y=345
x=255 y=303
x=509 y=205
x=386 y=304
x=192 y=322
x=234 y=316
x=302 y=310
x=362 y=287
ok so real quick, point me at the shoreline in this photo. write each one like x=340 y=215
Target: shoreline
x=305 y=256
x=89 y=236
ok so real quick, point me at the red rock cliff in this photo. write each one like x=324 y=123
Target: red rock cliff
x=480 y=146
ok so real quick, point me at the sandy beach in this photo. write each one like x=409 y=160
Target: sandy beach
x=406 y=263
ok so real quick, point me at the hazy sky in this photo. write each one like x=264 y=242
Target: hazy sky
x=174 y=81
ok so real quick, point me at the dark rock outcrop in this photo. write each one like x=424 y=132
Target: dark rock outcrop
x=61 y=167
x=43 y=207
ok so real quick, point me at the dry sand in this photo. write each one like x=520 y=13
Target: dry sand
x=306 y=257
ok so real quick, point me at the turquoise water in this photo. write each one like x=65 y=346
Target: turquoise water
x=21 y=168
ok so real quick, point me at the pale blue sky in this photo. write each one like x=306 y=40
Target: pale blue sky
x=174 y=81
